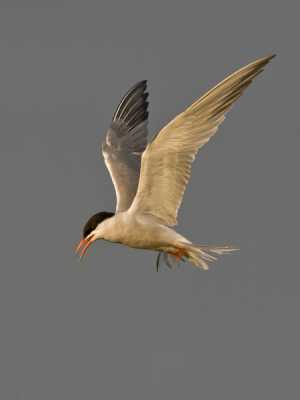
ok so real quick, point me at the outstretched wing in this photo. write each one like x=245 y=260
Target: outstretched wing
x=125 y=142
x=167 y=160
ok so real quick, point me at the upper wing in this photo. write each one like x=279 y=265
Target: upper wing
x=125 y=142
x=167 y=160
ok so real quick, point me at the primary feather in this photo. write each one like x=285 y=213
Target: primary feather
x=125 y=142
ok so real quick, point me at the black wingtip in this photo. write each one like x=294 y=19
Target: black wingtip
x=133 y=107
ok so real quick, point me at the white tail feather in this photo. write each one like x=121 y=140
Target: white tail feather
x=196 y=254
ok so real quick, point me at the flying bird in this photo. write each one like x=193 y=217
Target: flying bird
x=150 y=179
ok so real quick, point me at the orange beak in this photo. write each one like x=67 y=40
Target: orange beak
x=88 y=241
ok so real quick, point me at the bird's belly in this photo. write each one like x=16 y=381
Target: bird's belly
x=141 y=235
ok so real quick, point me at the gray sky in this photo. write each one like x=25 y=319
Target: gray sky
x=111 y=327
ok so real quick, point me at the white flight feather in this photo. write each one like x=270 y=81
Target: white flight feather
x=166 y=162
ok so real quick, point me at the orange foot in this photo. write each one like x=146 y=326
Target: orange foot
x=180 y=251
x=176 y=256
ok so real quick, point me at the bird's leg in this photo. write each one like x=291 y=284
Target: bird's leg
x=181 y=251
x=176 y=256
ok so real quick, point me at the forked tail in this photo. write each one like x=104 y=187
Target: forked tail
x=195 y=253
x=197 y=256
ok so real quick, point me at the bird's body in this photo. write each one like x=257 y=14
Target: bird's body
x=139 y=232
x=150 y=179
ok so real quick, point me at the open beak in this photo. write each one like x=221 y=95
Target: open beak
x=88 y=241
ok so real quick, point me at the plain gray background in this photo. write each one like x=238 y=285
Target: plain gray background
x=111 y=327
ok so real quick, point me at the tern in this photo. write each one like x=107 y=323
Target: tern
x=150 y=180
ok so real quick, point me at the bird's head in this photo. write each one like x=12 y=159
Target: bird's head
x=90 y=230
